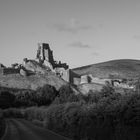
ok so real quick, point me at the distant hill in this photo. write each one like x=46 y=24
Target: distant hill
x=123 y=68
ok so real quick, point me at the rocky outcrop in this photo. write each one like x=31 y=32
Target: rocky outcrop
x=36 y=67
x=23 y=72
x=31 y=82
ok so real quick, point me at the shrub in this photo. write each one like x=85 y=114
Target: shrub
x=107 y=90
x=25 y=99
x=35 y=113
x=6 y=99
x=95 y=116
x=2 y=124
x=63 y=119
x=13 y=112
x=65 y=94
x=46 y=94
x=92 y=97
x=43 y=96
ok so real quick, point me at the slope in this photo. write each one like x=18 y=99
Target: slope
x=30 y=82
x=123 y=68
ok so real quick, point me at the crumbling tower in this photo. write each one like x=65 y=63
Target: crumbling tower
x=45 y=57
x=44 y=53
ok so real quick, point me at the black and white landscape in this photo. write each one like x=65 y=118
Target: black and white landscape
x=69 y=70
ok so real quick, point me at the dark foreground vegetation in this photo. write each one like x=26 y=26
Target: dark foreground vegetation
x=104 y=115
x=2 y=124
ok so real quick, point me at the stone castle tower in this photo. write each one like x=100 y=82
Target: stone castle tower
x=45 y=57
x=44 y=53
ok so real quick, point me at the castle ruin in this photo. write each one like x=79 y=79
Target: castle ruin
x=44 y=63
x=45 y=57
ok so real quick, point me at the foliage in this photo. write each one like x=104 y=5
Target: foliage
x=2 y=127
x=6 y=99
x=98 y=115
x=42 y=96
x=107 y=90
x=13 y=112
x=25 y=99
x=46 y=94
x=65 y=94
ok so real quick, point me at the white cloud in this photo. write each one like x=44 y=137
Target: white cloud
x=72 y=26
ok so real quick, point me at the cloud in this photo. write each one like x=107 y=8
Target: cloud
x=72 y=26
x=79 y=44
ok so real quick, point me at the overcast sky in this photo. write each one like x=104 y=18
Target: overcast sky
x=80 y=32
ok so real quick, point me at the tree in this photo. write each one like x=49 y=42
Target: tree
x=46 y=94
x=66 y=94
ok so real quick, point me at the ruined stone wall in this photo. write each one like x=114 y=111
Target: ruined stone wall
x=5 y=71
x=64 y=74
x=73 y=75
x=61 y=65
x=68 y=75
x=123 y=85
x=76 y=81
x=84 y=79
x=99 y=80
x=45 y=53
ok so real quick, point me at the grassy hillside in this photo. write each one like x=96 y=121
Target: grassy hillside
x=38 y=76
x=123 y=68
x=30 y=82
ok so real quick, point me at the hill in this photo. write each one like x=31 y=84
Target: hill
x=30 y=82
x=37 y=75
x=123 y=68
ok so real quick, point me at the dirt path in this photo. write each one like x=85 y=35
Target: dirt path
x=18 y=129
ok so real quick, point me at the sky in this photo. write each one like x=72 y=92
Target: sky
x=80 y=32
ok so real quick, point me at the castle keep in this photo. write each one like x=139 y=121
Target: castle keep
x=45 y=57
x=45 y=54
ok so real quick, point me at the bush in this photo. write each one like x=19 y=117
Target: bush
x=113 y=117
x=65 y=94
x=13 y=112
x=35 y=113
x=107 y=90
x=2 y=124
x=94 y=116
x=63 y=119
x=42 y=96
x=46 y=95
x=6 y=99
x=25 y=99
x=92 y=97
